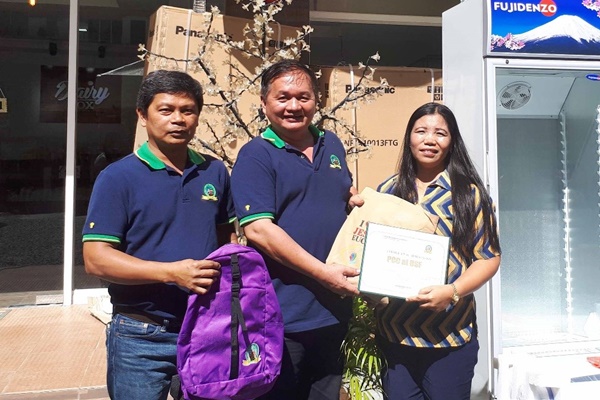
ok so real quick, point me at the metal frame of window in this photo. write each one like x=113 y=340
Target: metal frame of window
x=71 y=156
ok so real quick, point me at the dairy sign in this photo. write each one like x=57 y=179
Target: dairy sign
x=544 y=27
x=98 y=99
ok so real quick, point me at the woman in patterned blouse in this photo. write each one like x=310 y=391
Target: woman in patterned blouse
x=430 y=340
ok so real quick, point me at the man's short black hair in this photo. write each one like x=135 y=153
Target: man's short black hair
x=165 y=81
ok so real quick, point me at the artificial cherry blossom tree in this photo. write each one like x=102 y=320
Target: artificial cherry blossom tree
x=237 y=124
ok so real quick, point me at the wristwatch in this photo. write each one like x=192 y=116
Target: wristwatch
x=455 y=295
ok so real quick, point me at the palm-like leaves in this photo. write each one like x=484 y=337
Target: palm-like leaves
x=364 y=362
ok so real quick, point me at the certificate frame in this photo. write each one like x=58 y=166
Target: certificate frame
x=399 y=262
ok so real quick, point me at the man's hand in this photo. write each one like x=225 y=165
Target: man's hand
x=335 y=278
x=195 y=275
x=355 y=199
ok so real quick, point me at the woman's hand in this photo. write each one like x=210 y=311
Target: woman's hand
x=434 y=298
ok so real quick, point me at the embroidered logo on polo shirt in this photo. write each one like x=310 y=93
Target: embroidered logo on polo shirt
x=92 y=225
x=247 y=207
x=210 y=193
x=334 y=162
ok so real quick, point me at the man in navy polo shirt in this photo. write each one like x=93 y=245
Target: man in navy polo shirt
x=153 y=218
x=291 y=187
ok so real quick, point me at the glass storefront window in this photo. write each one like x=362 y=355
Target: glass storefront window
x=32 y=159
x=33 y=134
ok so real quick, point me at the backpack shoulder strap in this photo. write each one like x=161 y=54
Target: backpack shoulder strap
x=237 y=316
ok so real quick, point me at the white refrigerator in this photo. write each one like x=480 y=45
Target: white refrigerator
x=523 y=78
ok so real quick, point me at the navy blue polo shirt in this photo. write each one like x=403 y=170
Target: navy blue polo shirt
x=153 y=213
x=271 y=179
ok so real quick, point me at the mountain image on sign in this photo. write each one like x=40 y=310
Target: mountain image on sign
x=566 y=34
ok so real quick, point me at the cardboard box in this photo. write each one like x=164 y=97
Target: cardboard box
x=175 y=35
x=382 y=122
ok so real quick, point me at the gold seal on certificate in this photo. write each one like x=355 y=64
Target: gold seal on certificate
x=399 y=262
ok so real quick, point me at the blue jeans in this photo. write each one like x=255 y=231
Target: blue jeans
x=141 y=359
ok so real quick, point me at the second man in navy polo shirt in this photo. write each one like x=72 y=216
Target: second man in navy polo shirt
x=291 y=187
x=153 y=218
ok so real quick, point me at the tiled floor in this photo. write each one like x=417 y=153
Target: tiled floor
x=51 y=353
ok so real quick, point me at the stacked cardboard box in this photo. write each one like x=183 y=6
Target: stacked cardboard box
x=381 y=123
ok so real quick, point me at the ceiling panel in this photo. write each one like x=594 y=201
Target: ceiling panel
x=430 y=8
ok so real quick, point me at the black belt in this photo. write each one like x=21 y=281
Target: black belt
x=172 y=325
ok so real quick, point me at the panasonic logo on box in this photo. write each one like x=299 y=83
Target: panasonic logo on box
x=180 y=30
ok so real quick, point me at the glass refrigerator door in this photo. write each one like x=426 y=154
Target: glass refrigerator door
x=547 y=184
x=547 y=129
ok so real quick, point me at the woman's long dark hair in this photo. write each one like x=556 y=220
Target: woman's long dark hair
x=462 y=176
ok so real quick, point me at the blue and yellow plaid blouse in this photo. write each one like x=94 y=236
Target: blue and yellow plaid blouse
x=407 y=324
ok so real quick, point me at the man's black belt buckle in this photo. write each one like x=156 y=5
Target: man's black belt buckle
x=172 y=325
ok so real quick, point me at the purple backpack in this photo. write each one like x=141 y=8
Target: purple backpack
x=231 y=341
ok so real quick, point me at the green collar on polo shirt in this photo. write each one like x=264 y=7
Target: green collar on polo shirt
x=145 y=154
x=270 y=136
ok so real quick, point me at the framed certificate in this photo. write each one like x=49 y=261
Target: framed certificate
x=399 y=262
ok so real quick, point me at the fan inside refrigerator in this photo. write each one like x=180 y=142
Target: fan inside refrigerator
x=514 y=95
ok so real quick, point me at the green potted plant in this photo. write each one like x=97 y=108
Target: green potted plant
x=364 y=363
